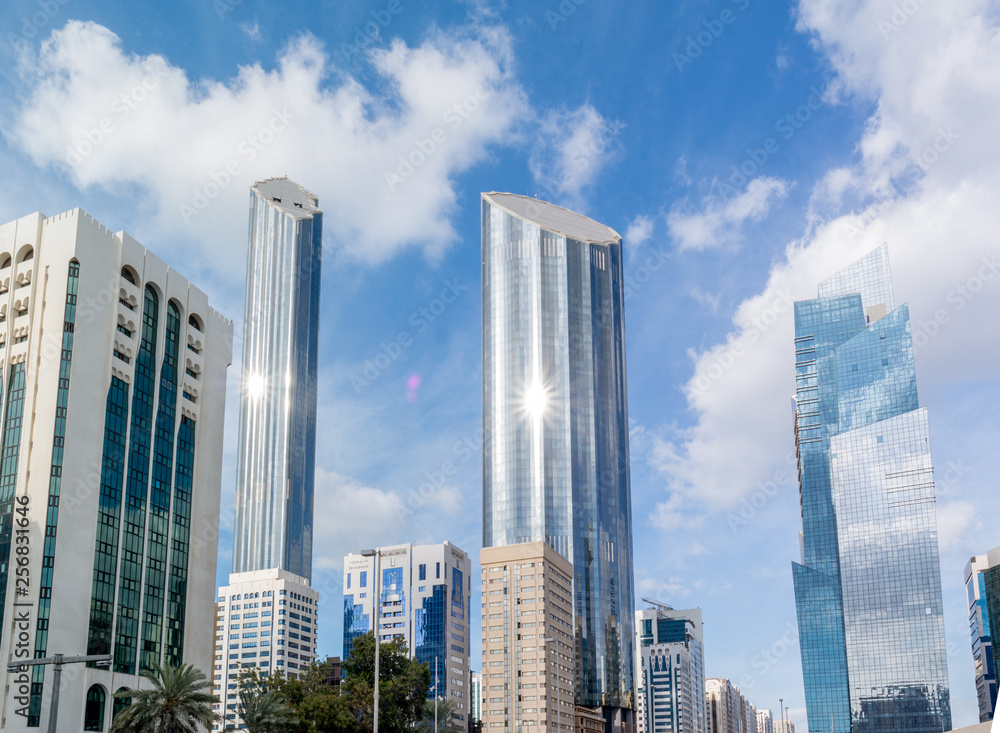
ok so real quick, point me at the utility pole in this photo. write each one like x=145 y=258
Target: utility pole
x=57 y=661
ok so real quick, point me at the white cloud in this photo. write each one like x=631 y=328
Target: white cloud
x=934 y=74
x=955 y=522
x=252 y=31
x=382 y=160
x=639 y=231
x=572 y=149
x=721 y=221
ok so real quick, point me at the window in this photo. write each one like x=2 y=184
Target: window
x=438 y=570
x=93 y=716
x=119 y=704
x=127 y=274
x=363 y=582
x=423 y=572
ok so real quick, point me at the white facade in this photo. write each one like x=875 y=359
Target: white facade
x=426 y=599
x=784 y=726
x=264 y=619
x=476 y=696
x=670 y=674
x=728 y=711
x=112 y=388
x=765 y=723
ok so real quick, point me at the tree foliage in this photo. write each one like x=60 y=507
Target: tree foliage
x=178 y=702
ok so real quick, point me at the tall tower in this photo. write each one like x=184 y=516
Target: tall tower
x=868 y=588
x=272 y=536
x=670 y=679
x=277 y=443
x=555 y=421
x=112 y=397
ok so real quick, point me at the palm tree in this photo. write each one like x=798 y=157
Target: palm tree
x=262 y=711
x=446 y=718
x=177 y=703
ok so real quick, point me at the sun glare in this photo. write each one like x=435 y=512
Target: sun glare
x=536 y=399
x=256 y=385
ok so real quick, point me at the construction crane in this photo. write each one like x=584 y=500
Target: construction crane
x=661 y=606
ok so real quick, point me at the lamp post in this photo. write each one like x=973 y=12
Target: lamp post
x=377 y=599
x=58 y=660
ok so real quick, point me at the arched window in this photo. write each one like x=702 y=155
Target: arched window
x=93 y=716
x=26 y=254
x=5 y=262
x=129 y=275
x=120 y=703
x=194 y=322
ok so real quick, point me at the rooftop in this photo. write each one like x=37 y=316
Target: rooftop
x=554 y=218
x=288 y=196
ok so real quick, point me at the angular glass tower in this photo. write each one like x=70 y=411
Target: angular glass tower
x=277 y=439
x=868 y=589
x=555 y=420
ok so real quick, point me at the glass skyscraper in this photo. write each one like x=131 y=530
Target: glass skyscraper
x=277 y=438
x=868 y=589
x=555 y=420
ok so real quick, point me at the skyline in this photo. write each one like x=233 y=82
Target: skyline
x=711 y=276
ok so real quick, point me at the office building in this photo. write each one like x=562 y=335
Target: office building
x=784 y=726
x=527 y=638
x=277 y=440
x=555 y=420
x=272 y=533
x=727 y=710
x=475 y=697
x=112 y=393
x=765 y=723
x=425 y=596
x=979 y=625
x=264 y=619
x=873 y=656
x=670 y=679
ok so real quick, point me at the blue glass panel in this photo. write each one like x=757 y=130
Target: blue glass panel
x=10 y=451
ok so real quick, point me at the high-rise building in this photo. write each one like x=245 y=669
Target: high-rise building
x=873 y=656
x=982 y=646
x=272 y=533
x=527 y=638
x=765 y=723
x=555 y=421
x=265 y=619
x=784 y=726
x=670 y=679
x=475 y=698
x=277 y=443
x=727 y=710
x=112 y=394
x=425 y=597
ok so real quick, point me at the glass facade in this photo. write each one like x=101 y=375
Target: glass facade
x=555 y=420
x=55 y=491
x=10 y=452
x=868 y=589
x=277 y=433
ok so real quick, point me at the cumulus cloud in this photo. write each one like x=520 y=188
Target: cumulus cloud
x=572 y=148
x=721 y=220
x=382 y=160
x=930 y=169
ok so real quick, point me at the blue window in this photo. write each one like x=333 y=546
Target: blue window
x=364 y=579
x=422 y=572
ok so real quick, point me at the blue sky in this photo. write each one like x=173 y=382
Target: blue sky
x=746 y=151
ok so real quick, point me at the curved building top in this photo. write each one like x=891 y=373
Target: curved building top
x=288 y=196
x=554 y=218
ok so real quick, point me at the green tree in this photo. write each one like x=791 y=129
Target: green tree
x=261 y=706
x=318 y=706
x=447 y=718
x=403 y=684
x=178 y=702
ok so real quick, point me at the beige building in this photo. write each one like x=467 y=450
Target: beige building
x=527 y=670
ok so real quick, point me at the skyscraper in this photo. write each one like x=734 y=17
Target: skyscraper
x=670 y=678
x=868 y=588
x=272 y=535
x=555 y=421
x=982 y=641
x=277 y=440
x=112 y=393
x=424 y=597
x=727 y=710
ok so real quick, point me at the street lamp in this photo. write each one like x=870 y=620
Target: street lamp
x=58 y=660
x=378 y=632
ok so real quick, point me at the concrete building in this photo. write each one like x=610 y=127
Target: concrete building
x=425 y=596
x=527 y=639
x=475 y=697
x=272 y=534
x=670 y=677
x=264 y=619
x=784 y=726
x=765 y=723
x=980 y=626
x=555 y=417
x=112 y=391
x=727 y=709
